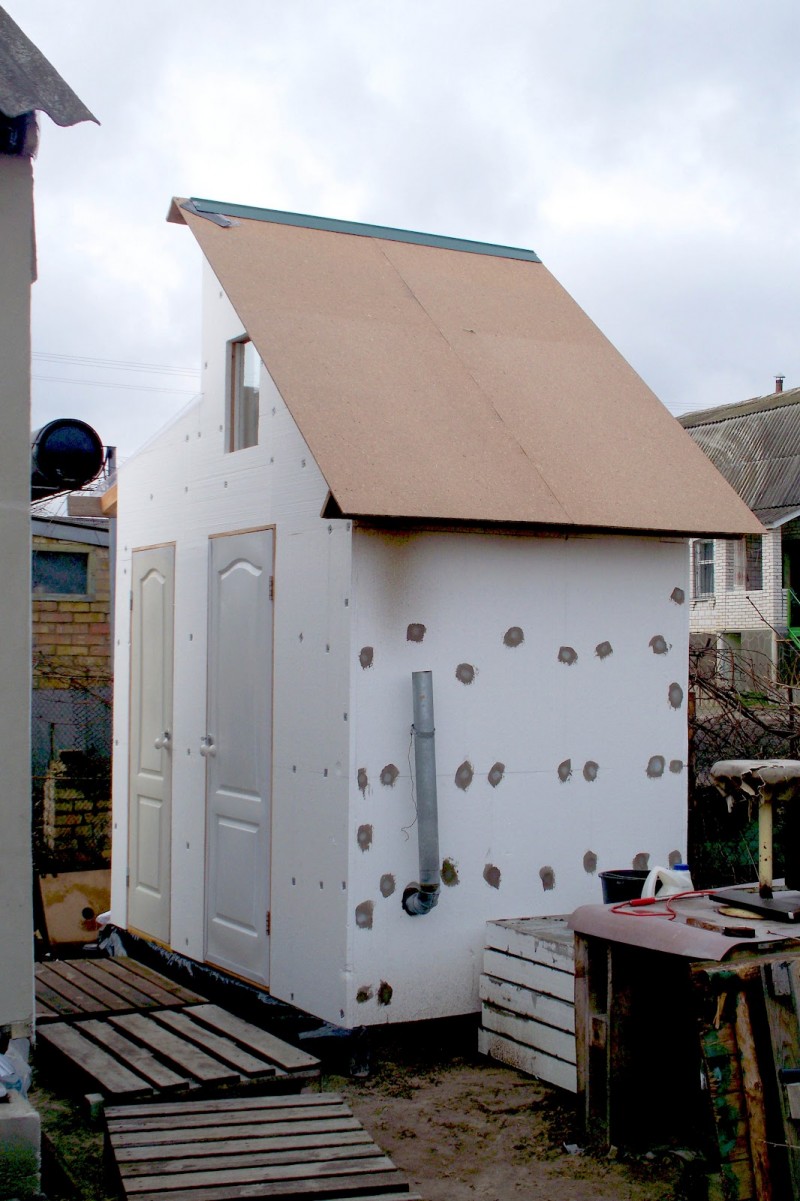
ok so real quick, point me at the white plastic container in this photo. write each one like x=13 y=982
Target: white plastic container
x=666 y=881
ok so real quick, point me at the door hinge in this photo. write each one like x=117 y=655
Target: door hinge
x=272 y=587
x=269 y=923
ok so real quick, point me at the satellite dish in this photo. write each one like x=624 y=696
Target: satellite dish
x=66 y=454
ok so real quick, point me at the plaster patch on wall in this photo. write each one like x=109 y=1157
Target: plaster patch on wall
x=389 y=775
x=565 y=770
x=513 y=636
x=548 y=878
x=464 y=775
x=496 y=773
x=641 y=862
x=366 y=656
x=387 y=885
x=415 y=632
x=450 y=873
x=590 y=770
x=568 y=655
x=466 y=673
x=364 y=915
x=590 y=863
x=675 y=695
x=603 y=650
x=659 y=644
x=491 y=875
x=385 y=992
x=655 y=766
x=363 y=780
x=676 y=766
x=364 y=837
x=365 y=993
x=677 y=595
x=673 y=858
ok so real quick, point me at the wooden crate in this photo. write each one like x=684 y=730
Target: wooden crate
x=527 y=998
x=308 y=1146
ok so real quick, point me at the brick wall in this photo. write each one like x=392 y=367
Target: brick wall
x=72 y=636
x=730 y=608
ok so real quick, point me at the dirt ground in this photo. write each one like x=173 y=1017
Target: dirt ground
x=459 y=1126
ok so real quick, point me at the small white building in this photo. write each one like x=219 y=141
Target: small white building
x=411 y=453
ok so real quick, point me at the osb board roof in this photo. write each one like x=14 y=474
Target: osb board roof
x=456 y=385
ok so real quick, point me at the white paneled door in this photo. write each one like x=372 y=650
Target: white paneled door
x=150 y=817
x=238 y=750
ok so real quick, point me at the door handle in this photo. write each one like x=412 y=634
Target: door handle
x=207 y=747
x=163 y=743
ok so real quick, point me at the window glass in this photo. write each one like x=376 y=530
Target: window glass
x=243 y=400
x=704 y=567
x=754 y=570
x=63 y=573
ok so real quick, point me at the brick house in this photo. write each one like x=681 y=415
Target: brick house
x=744 y=592
x=71 y=699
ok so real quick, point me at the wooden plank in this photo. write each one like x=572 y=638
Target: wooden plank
x=291 y=1059
x=523 y=1001
x=240 y=1128
x=161 y=990
x=43 y=1011
x=528 y=1060
x=553 y=1042
x=754 y=1099
x=111 y=1077
x=245 y=1146
x=531 y=975
x=152 y=1112
x=78 y=998
x=111 y=976
x=190 y=1059
x=391 y=1184
x=76 y=973
x=59 y=1006
x=236 y=1159
x=548 y=941
x=373 y=1167
x=221 y=1048
x=137 y=1058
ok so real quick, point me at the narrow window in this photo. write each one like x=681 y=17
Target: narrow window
x=704 y=567
x=60 y=573
x=754 y=570
x=245 y=375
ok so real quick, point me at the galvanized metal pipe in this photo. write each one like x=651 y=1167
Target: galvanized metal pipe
x=421 y=896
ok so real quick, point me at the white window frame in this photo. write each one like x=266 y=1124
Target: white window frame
x=704 y=567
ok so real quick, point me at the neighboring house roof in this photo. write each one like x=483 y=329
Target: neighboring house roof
x=28 y=82
x=90 y=531
x=436 y=379
x=755 y=444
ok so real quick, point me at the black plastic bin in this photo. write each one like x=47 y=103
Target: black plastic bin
x=624 y=884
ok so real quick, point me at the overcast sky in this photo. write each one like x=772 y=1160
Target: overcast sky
x=647 y=150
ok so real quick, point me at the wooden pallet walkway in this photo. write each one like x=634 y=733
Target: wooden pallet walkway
x=75 y=988
x=302 y=1147
x=198 y=1049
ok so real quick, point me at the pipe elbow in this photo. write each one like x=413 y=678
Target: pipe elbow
x=420 y=899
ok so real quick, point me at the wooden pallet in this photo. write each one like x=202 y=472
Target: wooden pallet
x=527 y=994
x=199 y=1049
x=75 y=988
x=308 y=1147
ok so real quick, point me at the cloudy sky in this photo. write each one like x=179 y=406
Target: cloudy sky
x=646 y=149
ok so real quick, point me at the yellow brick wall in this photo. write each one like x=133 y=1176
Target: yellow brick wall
x=72 y=637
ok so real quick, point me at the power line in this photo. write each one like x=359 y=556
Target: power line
x=115 y=364
x=96 y=383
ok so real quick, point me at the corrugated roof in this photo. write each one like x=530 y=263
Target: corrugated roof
x=29 y=83
x=438 y=384
x=756 y=445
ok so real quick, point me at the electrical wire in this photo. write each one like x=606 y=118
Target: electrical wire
x=97 y=383
x=114 y=364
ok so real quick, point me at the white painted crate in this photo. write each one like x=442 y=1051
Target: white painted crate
x=527 y=993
